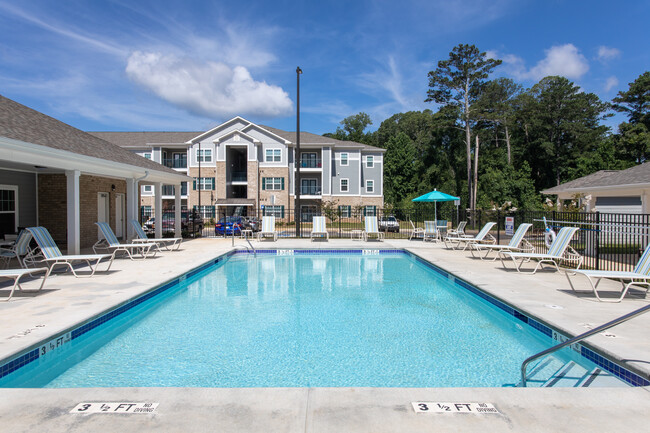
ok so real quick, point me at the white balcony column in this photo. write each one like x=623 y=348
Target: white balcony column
x=177 y=210
x=73 y=210
x=157 y=191
x=131 y=206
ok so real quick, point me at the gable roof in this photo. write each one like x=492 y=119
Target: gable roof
x=23 y=124
x=637 y=176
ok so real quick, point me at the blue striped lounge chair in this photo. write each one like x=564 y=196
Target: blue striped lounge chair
x=109 y=242
x=517 y=244
x=458 y=231
x=268 y=228
x=19 y=250
x=17 y=274
x=555 y=253
x=431 y=232
x=372 y=229
x=319 y=228
x=482 y=237
x=52 y=256
x=640 y=276
x=170 y=244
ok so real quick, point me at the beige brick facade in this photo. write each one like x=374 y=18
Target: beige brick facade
x=52 y=205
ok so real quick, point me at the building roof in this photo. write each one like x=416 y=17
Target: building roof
x=23 y=124
x=637 y=176
x=144 y=139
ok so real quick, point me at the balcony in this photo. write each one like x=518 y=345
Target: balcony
x=170 y=190
x=310 y=190
x=311 y=163
x=238 y=176
x=175 y=162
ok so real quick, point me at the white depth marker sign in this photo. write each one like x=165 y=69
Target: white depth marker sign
x=437 y=407
x=115 y=407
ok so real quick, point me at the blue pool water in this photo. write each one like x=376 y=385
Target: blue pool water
x=288 y=321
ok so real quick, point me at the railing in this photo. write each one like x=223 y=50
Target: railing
x=311 y=163
x=580 y=337
x=310 y=190
x=171 y=190
x=238 y=176
x=175 y=162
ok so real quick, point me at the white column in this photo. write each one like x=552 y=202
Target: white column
x=177 y=211
x=157 y=191
x=73 y=209
x=131 y=206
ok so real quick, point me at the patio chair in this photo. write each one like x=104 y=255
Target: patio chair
x=417 y=231
x=640 y=276
x=482 y=237
x=515 y=244
x=319 y=228
x=18 y=250
x=17 y=274
x=52 y=255
x=170 y=244
x=431 y=232
x=372 y=228
x=109 y=242
x=458 y=231
x=268 y=229
x=557 y=252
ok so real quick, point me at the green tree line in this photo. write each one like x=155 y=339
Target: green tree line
x=492 y=141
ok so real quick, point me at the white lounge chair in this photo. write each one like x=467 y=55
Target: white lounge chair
x=170 y=244
x=268 y=229
x=640 y=276
x=515 y=244
x=416 y=232
x=109 y=241
x=19 y=249
x=52 y=256
x=458 y=231
x=431 y=232
x=555 y=253
x=483 y=236
x=372 y=229
x=17 y=274
x=319 y=228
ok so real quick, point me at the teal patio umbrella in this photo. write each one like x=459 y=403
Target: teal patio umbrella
x=435 y=196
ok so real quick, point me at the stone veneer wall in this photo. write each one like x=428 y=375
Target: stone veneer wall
x=52 y=205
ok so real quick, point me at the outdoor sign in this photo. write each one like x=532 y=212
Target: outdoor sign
x=510 y=226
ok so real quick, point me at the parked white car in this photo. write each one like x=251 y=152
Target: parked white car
x=389 y=224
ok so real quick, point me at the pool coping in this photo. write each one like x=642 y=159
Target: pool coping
x=600 y=357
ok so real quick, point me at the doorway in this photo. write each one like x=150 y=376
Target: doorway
x=119 y=215
x=103 y=207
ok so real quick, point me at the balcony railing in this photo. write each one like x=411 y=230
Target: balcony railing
x=238 y=176
x=175 y=162
x=171 y=190
x=311 y=163
x=310 y=190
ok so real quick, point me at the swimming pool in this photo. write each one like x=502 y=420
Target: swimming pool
x=296 y=319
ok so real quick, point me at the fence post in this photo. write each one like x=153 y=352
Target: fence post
x=339 y=212
x=597 y=246
x=498 y=227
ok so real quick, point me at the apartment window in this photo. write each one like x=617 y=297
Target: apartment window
x=273 y=183
x=8 y=209
x=147 y=189
x=370 y=161
x=146 y=212
x=205 y=212
x=370 y=186
x=370 y=211
x=345 y=211
x=273 y=155
x=344 y=159
x=204 y=183
x=276 y=211
x=147 y=155
x=205 y=155
x=345 y=185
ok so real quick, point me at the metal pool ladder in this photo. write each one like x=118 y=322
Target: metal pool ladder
x=249 y=244
x=580 y=337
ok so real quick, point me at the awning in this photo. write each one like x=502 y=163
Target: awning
x=235 y=202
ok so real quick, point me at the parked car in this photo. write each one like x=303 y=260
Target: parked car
x=149 y=225
x=228 y=224
x=389 y=224
x=252 y=224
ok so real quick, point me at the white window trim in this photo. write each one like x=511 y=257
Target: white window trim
x=147 y=155
x=16 y=207
x=370 y=189
x=272 y=160
x=369 y=159
x=273 y=183
x=201 y=183
x=347 y=159
x=202 y=158
x=347 y=189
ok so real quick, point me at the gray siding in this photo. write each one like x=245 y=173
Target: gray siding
x=373 y=173
x=26 y=183
x=326 y=157
x=350 y=172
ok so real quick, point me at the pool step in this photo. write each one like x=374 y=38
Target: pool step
x=574 y=375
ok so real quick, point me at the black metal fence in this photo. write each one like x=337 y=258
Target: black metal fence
x=606 y=241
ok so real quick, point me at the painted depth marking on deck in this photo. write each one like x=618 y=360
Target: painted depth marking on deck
x=115 y=407
x=436 y=407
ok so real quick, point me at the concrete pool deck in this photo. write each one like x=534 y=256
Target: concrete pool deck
x=65 y=301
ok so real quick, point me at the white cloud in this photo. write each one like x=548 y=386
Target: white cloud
x=611 y=83
x=564 y=60
x=606 y=53
x=211 y=89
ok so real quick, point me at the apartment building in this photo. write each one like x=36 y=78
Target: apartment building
x=241 y=168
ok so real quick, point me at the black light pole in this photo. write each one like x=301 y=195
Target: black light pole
x=198 y=184
x=297 y=161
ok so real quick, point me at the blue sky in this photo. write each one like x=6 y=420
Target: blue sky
x=181 y=66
